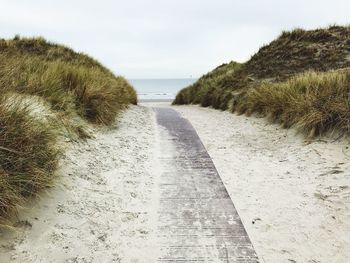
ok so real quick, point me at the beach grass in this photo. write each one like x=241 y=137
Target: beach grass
x=316 y=103
x=69 y=86
x=300 y=79
x=28 y=153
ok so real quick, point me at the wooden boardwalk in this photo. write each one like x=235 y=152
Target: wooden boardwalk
x=197 y=219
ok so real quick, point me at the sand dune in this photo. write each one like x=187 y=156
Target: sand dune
x=293 y=197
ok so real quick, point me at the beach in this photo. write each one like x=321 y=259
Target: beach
x=292 y=194
x=175 y=132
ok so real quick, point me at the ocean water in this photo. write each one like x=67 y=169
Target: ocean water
x=159 y=89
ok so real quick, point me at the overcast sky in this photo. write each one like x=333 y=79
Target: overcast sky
x=166 y=38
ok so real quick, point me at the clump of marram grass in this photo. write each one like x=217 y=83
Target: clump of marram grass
x=206 y=91
x=91 y=92
x=28 y=154
x=314 y=102
x=290 y=54
x=74 y=88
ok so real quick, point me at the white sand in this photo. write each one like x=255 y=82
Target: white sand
x=104 y=206
x=297 y=194
x=104 y=209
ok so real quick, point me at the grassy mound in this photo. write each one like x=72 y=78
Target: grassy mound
x=292 y=73
x=72 y=85
x=69 y=81
x=299 y=51
x=292 y=53
x=315 y=103
x=206 y=91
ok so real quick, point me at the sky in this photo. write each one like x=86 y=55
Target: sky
x=166 y=38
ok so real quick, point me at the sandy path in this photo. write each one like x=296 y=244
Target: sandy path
x=293 y=197
x=197 y=219
x=103 y=207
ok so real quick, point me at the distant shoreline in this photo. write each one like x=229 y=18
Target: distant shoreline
x=159 y=90
x=160 y=79
x=155 y=100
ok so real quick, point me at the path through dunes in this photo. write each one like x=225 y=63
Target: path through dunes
x=197 y=219
x=292 y=195
x=143 y=191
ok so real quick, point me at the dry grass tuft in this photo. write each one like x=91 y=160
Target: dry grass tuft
x=315 y=103
x=28 y=154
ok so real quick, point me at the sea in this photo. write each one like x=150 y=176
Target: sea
x=159 y=89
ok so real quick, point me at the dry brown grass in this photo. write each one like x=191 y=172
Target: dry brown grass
x=291 y=53
x=73 y=85
x=315 y=103
x=300 y=79
x=206 y=91
x=28 y=153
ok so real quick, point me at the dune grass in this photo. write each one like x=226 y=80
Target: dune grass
x=86 y=88
x=314 y=102
x=73 y=86
x=300 y=79
x=28 y=154
x=207 y=91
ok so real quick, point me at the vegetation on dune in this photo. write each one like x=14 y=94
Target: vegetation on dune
x=73 y=86
x=300 y=79
x=315 y=103
x=28 y=154
x=69 y=81
x=207 y=91
x=301 y=50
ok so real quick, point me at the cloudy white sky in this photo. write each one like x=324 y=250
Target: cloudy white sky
x=166 y=38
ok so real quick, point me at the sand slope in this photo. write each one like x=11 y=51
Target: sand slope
x=293 y=197
x=101 y=210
